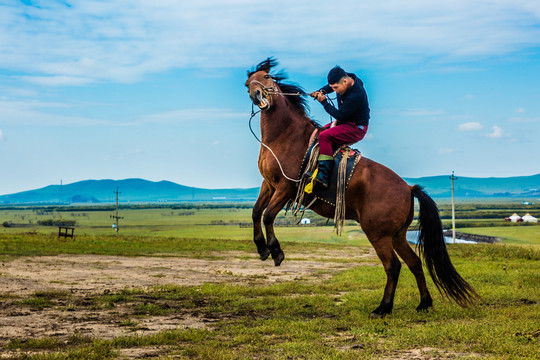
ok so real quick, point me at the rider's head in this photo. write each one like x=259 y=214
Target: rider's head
x=339 y=80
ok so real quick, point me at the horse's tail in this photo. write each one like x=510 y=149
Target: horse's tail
x=433 y=250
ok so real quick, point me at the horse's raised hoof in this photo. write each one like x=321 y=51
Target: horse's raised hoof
x=264 y=255
x=279 y=258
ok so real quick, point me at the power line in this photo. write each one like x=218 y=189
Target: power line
x=453 y=210
x=116 y=217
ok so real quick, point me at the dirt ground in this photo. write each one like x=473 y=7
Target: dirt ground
x=84 y=275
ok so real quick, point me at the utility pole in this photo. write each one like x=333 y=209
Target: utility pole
x=453 y=210
x=115 y=226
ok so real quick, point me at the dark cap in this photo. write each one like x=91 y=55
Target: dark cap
x=336 y=74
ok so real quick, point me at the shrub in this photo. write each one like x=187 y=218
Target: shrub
x=61 y=222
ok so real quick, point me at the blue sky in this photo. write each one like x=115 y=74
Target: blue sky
x=155 y=89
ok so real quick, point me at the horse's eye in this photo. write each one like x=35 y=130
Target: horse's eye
x=267 y=76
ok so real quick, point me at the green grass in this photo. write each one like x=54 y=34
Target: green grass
x=297 y=319
x=329 y=319
x=519 y=235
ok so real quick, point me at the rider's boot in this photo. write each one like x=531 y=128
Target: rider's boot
x=320 y=183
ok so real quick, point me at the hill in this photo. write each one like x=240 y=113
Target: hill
x=469 y=187
x=139 y=190
x=131 y=190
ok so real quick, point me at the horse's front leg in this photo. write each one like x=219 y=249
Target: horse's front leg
x=258 y=237
x=276 y=204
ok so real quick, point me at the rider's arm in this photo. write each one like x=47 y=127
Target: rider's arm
x=346 y=110
x=326 y=89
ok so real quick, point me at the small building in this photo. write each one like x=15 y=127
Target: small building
x=515 y=218
x=529 y=218
x=305 y=221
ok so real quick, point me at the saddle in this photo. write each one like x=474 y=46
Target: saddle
x=345 y=160
x=345 y=154
x=340 y=173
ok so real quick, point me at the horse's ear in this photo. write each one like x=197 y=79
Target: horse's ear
x=267 y=65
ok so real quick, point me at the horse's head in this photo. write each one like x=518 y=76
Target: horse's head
x=260 y=84
x=265 y=88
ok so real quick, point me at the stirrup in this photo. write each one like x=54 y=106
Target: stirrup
x=319 y=188
x=309 y=187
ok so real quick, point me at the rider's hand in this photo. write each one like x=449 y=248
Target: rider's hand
x=318 y=95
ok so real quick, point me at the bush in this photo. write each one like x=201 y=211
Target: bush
x=61 y=222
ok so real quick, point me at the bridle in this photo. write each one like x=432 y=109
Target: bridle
x=273 y=90
x=267 y=91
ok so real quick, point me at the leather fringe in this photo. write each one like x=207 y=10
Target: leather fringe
x=339 y=214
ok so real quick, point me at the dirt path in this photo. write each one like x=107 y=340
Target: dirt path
x=83 y=277
x=86 y=275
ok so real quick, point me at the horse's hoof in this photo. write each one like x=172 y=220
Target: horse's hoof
x=375 y=315
x=381 y=311
x=264 y=255
x=424 y=305
x=422 y=308
x=279 y=258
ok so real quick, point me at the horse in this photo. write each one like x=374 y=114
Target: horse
x=376 y=197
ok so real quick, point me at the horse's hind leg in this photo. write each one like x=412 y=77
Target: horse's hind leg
x=392 y=266
x=258 y=209
x=412 y=260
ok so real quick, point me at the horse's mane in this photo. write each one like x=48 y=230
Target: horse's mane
x=298 y=102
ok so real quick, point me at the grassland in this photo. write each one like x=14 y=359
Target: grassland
x=314 y=317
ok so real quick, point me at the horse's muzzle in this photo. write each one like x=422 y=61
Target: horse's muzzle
x=258 y=99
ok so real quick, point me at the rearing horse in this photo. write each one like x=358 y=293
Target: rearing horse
x=376 y=197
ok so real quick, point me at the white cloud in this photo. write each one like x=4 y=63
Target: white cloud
x=1 y=135
x=39 y=113
x=122 y=40
x=521 y=111
x=193 y=115
x=46 y=114
x=496 y=133
x=58 y=80
x=470 y=126
x=445 y=151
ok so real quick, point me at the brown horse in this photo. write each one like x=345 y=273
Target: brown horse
x=377 y=198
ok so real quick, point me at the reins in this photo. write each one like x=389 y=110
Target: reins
x=253 y=113
x=273 y=90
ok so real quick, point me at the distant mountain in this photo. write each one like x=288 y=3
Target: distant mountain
x=131 y=190
x=464 y=187
x=139 y=190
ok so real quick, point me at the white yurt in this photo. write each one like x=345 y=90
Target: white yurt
x=305 y=221
x=515 y=217
x=529 y=218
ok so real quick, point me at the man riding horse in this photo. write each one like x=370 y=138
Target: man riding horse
x=376 y=197
x=351 y=124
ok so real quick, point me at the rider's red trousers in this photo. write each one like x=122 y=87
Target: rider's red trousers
x=347 y=133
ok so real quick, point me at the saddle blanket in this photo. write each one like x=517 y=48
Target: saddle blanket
x=330 y=194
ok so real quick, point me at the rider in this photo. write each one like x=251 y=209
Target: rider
x=351 y=118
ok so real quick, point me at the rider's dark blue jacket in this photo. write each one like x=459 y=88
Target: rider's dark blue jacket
x=352 y=106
